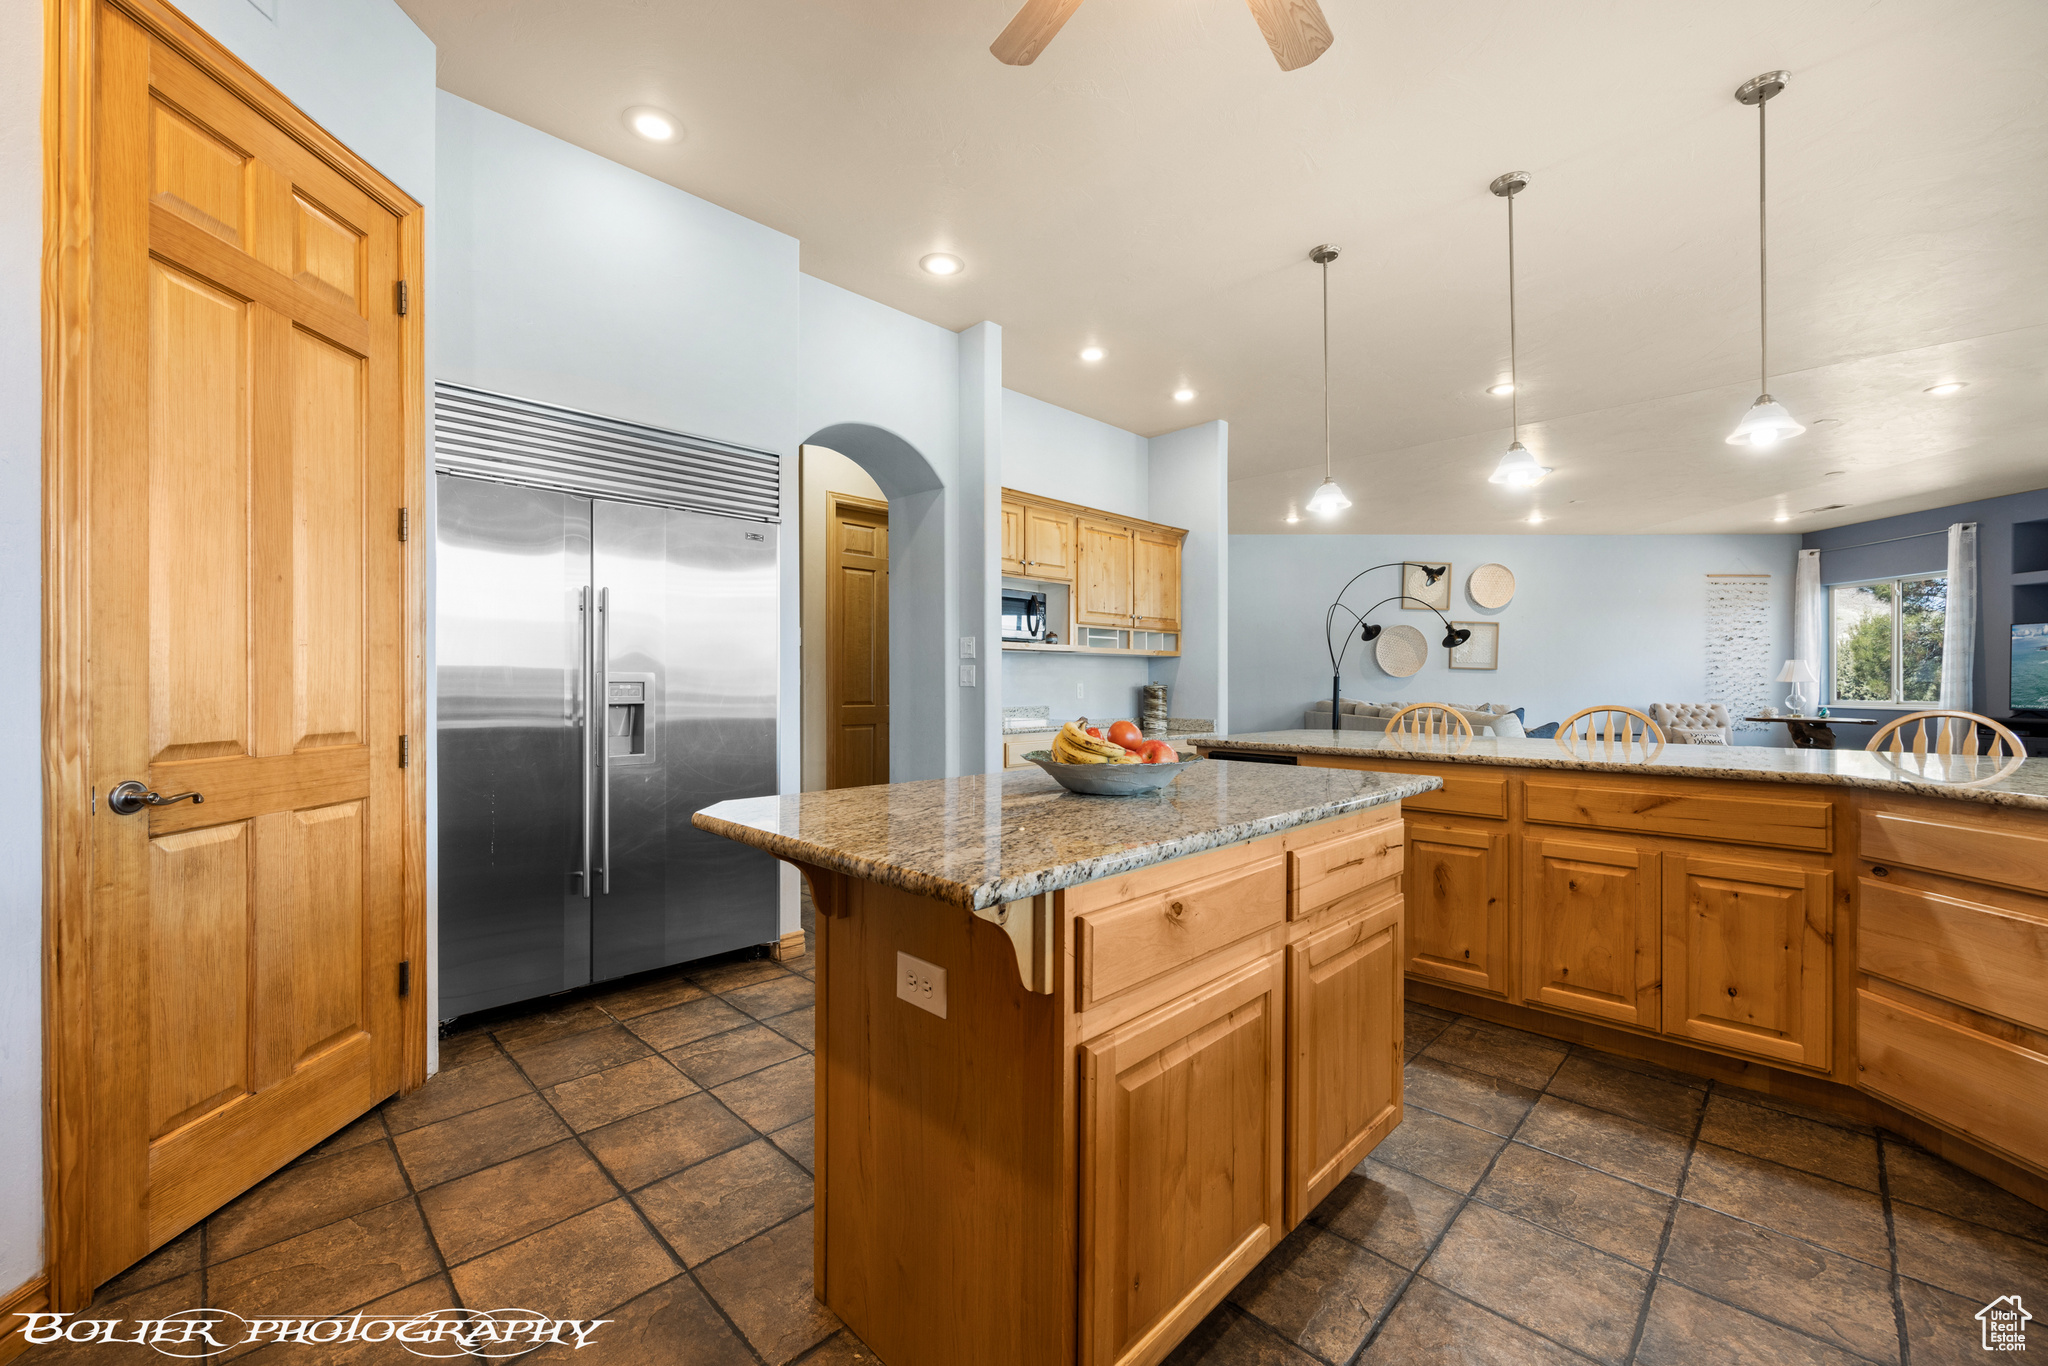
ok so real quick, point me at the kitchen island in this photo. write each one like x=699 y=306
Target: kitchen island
x=1083 y=1061
x=1861 y=932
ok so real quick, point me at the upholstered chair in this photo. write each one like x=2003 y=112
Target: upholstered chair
x=1693 y=723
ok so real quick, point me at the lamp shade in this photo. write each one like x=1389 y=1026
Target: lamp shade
x=1328 y=498
x=1797 y=671
x=1764 y=425
x=1518 y=468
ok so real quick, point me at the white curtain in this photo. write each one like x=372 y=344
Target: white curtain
x=1959 y=634
x=1810 y=618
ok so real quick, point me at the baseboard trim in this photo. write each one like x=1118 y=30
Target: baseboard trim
x=31 y=1298
x=791 y=945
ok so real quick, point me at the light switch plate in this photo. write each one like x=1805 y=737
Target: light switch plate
x=922 y=984
x=967 y=647
x=966 y=675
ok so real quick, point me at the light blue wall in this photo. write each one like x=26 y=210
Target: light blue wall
x=21 y=792
x=1594 y=619
x=1190 y=478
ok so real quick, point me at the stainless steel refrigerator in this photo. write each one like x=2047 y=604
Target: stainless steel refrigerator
x=606 y=668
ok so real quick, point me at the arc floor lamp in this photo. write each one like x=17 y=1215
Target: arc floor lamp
x=1454 y=636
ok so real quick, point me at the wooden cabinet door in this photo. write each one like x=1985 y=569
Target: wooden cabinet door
x=1746 y=949
x=1048 y=544
x=248 y=642
x=1344 y=1051
x=1181 y=1129
x=1591 y=940
x=1102 y=593
x=1013 y=538
x=1456 y=888
x=1155 y=581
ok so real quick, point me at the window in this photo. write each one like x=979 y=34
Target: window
x=1886 y=639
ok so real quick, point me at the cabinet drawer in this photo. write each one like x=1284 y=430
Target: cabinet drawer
x=2004 y=858
x=1464 y=796
x=1978 y=956
x=1985 y=1088
x=1121 y=946
x=1721 y=820
x=1321 y=873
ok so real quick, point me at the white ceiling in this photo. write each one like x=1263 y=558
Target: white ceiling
x=1154 y=182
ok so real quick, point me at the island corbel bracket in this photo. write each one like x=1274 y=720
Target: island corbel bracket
x=1029 y=924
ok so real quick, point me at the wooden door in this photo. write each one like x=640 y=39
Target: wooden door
x=252 y=393
x=1155 y=581
x=1048 y=544
x=1102 y=595
x=1455 y=885
x=1746 y=955
x=1180 y=1162
x=1591 y=940
x=1344 y=1051
x=1013 y=538
x=856 y=641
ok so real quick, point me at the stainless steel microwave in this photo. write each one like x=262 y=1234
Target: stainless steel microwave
x=1023 y=616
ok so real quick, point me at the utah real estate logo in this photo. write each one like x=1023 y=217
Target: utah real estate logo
x=2005 y=1324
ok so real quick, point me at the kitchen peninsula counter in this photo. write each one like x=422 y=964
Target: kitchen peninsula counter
x=1083 y=1061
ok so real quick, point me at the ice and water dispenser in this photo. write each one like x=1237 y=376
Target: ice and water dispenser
x=625 y=716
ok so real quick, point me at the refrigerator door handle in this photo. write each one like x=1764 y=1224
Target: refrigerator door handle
x=588 y=683
x=601 y=695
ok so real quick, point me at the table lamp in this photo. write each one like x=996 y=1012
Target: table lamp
x=1795 y=672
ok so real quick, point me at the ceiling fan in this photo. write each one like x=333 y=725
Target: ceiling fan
x=1294 y=29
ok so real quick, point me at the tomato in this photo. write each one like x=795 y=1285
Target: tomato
x=1158 y=752
x=1095 y=731
x=1126 y=734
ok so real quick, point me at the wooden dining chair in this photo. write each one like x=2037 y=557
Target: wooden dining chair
x=1428 y=721
x=1956 y=756
x=1610 y=732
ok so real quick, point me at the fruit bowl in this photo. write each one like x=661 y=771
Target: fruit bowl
x=1109 y=780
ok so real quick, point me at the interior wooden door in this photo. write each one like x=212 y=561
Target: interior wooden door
x=1013 y=538
x=1591 y=941
x=1746 y=956
x=1048 y=543
x=248 y=634
x=1180 y=1162
x=1102 y=594
x=1344 y=1051
x=856 y=641
x=1155 y=581
x=1455 y=886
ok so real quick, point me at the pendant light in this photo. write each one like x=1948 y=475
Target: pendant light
x=1766 y=423
x=1328 y=499
x=1517 y=468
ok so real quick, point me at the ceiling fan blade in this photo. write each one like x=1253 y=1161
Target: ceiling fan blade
x=1034 y=26
x=1294 y=29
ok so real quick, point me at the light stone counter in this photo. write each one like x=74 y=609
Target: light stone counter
x=983 y=841
x=2025 y=788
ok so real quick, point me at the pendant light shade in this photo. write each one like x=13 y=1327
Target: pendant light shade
x=1518 y=468
x=1766 y=423
x=1328 y=500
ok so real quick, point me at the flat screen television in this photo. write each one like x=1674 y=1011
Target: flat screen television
x=2030 y=667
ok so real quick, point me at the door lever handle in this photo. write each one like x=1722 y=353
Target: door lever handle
x=131 y=796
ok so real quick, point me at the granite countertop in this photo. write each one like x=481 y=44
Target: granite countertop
x=988 y=839
x=2025 y=788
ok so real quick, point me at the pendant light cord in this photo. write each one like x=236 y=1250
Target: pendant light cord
x=1514 y=375
x=1763 y=263
x=1329 y=472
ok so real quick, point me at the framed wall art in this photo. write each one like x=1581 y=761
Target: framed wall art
x=1482 y=651
x=1418 y=594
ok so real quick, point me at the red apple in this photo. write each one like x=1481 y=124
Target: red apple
x=1158 y=752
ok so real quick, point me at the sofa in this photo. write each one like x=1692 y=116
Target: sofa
x=1494 y=719
x=1693 y=723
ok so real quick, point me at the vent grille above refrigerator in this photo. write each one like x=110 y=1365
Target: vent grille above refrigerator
x=518 y=441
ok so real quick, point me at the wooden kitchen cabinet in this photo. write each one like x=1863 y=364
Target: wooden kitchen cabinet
x=1155 y=582
x=1125 y=573
x=1344 y=1046
x=1455 y=886
x=1048 y=543
x=1181 y=1155
x=1013 y=539
x=1102 y=593
x=1591 y=935
x=1746 y=962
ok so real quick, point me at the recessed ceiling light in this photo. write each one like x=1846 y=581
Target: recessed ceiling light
x=1535 y=517
x=1946 y=388
x=1292 y=516
x=1501 y=390
x=1782 y=517
x=943 y=263
x=1091 y=353
x=1183 y=395
x=653 y=124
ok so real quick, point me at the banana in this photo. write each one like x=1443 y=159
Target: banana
x=1079 y=739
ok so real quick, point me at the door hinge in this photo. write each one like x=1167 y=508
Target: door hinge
x=403 y=301
x=405 y=978
x=404 y=750
x=404 y=523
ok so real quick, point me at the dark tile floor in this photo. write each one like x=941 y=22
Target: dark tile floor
x=643 y=1155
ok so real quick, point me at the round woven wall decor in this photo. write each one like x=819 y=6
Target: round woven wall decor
x=1400 y=650
x=1492 y=585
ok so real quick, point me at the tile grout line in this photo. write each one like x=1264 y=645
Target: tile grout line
x=1692 y=1148
x=1891 y=1242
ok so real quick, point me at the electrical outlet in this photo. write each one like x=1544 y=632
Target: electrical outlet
x=1080 y=690
x=966 y=675
x=967 y=647
x=922 y=984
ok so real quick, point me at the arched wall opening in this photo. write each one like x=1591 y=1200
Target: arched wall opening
x=921 y=700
